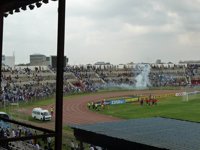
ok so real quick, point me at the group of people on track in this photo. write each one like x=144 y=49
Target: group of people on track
x=96 y=105
x=142 y=100
x=148 y=101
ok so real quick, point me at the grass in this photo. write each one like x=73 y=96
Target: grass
x=14 y=112
x=20 y=116
x=170 y=107
x=48 y=101
x=51 y=100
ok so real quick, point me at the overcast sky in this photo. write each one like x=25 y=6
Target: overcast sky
x=116 y=31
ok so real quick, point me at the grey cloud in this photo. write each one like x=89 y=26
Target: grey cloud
x=138 y=12
x=124 y=30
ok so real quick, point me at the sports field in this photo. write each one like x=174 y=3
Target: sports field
x=75 y=109
x=171 y=107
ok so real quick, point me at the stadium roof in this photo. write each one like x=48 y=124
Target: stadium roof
x=9 y=5
x=151 y=133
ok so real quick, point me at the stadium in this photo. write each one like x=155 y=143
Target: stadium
x=49 y=104
x=124 y=87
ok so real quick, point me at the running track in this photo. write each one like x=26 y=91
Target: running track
x=75 y=110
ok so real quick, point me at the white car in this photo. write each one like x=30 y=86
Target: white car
x=41 y=114
x=4 y=124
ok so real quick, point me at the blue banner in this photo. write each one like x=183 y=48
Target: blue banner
x=120 y=101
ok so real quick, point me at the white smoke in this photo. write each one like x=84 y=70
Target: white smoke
x=115 y=85
x=142 y=79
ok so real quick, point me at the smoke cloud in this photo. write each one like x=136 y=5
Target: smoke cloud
x=142 y=79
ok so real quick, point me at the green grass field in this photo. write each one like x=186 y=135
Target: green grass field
x=170 y=107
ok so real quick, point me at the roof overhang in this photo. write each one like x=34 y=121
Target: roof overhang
x=7 y=6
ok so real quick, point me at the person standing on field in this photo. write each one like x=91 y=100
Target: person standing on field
x=52 y=110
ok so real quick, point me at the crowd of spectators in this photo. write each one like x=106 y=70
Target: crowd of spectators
x=174 y=76
x=26 y=84
x=16 y=131
x=193 y=73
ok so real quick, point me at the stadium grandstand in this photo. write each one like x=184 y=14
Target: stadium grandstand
x=26 y=84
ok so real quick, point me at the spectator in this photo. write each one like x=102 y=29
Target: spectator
x=72 y=144
x=37 y=146
x=49 y=142
x=52 y=110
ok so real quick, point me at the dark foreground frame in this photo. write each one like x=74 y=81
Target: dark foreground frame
x=7 y=6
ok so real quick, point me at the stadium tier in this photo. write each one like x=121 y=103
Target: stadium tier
x=25 y=84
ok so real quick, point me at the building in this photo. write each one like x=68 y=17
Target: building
x=8 y=61
x=190 y=62
x=158 y=61
x=102 y=63
x=3 y=58
x=42 y=60
x=38 y=60
x=53 y=61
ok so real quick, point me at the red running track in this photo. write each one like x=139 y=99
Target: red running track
x=75 y=109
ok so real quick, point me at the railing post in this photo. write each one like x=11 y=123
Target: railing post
x=59 y=76
x=1 y=46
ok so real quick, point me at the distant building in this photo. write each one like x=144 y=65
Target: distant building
x=3 y=58
x=158 y=61
x=8 y=61
x=102 y=63
x=53 y=61
x=48 y=61
x=42 y=60
x=190 y=62
x=37 y=60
